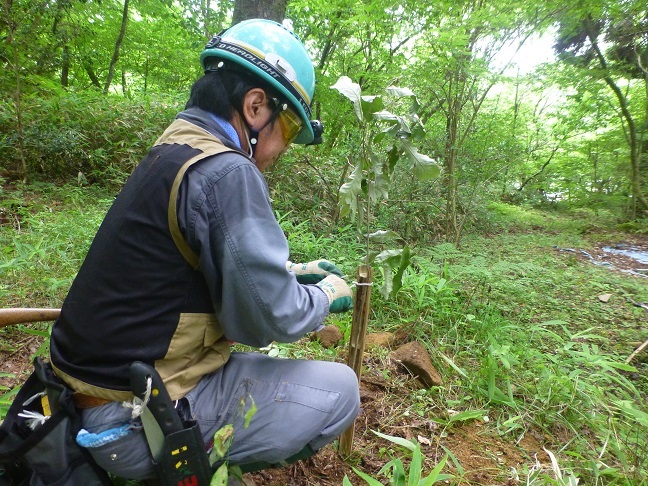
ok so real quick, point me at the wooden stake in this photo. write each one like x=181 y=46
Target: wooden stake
x=361 y=309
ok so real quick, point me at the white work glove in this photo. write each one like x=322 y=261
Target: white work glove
x=338 y=293
x=312 y=272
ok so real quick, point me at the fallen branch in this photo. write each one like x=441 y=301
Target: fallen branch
x=637 y=351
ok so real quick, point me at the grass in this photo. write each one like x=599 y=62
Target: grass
x=512 y=322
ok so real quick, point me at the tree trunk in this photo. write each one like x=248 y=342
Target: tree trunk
x=450 y=169
x=10 y=43
x=65 y=67
x=205 y=7
x=255 y=9
x=120 y=38
x=94 y=79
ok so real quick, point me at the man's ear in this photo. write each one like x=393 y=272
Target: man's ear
x=254 y=104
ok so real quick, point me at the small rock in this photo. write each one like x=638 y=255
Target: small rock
x=415 y=358
x=379 y=339
x=328 y=337
x=604 y=297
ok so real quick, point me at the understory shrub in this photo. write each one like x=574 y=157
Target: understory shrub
x=83 y=136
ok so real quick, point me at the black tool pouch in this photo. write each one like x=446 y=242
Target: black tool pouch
x=38 y=437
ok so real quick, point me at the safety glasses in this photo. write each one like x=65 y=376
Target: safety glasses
x=289 y=121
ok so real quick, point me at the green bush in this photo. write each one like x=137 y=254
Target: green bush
x=82 y=135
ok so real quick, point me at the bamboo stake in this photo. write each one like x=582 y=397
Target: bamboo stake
x=361 y=309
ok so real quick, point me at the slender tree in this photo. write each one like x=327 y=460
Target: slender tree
x=584 y=30
x=118 y=43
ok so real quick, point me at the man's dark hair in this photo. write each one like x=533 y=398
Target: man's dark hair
x=222 y=91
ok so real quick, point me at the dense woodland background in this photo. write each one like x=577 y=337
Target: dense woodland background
x=88 y=85
x=535 y=114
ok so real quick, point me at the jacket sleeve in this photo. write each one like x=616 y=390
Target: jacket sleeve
x=229 y=222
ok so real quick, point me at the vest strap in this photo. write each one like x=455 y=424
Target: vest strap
x=183 y=132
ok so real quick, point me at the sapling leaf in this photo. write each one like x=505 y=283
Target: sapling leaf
x=416 y=128
x=392 y=157
x=383 y=236
x=397 y=281
x=378 y=185
x=424 y=167
x=388 y=283
x=399 y=92
x=352 y=91
x=384 y=115
x=251 y=412
x=220 y=476
x=222 y=441
x=370 y=105
x=390 y=257
x=349 y=192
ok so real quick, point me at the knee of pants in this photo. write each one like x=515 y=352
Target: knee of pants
x=347 y=385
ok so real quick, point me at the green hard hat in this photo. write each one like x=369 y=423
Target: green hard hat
x=275 y=54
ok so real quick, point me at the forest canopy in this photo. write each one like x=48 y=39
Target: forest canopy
x=87 y=86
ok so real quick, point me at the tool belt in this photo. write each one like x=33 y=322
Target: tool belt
x=38 y=436
x=83 y=401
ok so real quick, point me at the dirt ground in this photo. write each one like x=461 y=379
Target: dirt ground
x=485 y=458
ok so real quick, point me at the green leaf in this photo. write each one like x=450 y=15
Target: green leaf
x=399 y=92
x=370 y=481
x=352 y=91
x=467 y=415
x=453 y=365
x=436 y=474
x=408 y=444
x=424 y=167
x=251 y=412
x=391 y=257
x=384 y=115
x=220 y=477
x=454 y=460
x=392 y=157
x=222 y=441
x=398 y=276
x=350 y=191
x=384 y=236
x=370 y=105
x=378 y=187
x=415 y=467
x=416 y=128
x=398 y=475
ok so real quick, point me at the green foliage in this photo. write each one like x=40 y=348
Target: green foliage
x=398 y=474
x=223 y=441
x=83 y=136
x=512 y=324
x=370 y=179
